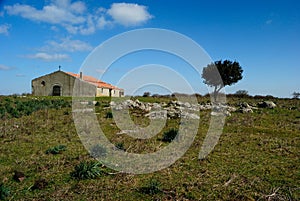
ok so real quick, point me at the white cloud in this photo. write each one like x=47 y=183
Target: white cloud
x=4 y=29
x=54 y=13
x=49 y=57
x=66 y=45
x=59 y=12
x=129 y=14
x=76 y=18
x=102 y=23
x=90 y=27
x=54 y=28
x=78 y=7
x=4 y=67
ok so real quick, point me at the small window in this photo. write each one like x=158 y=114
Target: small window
x=43 y=83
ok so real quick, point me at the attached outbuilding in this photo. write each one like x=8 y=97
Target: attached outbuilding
x=60 y=83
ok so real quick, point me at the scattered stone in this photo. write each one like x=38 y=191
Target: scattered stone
x=172 y=109
x=187 y=115
x=162 y=114
x=205 y=107
x=231 y=109
x=246 y=110
x=156 y=106
x=126 y=132
x=213 y=113
x=227 y=113
x=266 y=104
x=84 y=110
x=244 y=105
x=187 y=105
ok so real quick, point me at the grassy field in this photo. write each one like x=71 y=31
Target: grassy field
x=257 y=157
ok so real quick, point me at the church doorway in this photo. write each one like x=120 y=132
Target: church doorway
x=56 y=90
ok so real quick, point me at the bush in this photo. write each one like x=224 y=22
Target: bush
x=296 y=95
x=66 y=112
x=2 y=112
x=170 y=135
x=241 y=93
x=109 y=115
x=120 y=146
x=87 y=170
x=98 y=151
x=146 y=94
x=152 y=187
x=14 y=107
x=4 y=191
x=56 y=150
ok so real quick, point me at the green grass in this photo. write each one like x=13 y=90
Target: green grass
x=87 y=170
x=58 y=149
x=256 y=158
x=151 y=187
x=170 y=135
x=4 y=192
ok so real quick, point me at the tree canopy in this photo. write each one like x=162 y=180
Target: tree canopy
x=296 y=95
x=228 y=73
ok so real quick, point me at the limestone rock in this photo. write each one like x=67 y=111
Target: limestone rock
x=266 y=104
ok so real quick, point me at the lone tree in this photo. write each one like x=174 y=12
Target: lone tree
x=296 y=95
x=146 y=94
x=230 y=73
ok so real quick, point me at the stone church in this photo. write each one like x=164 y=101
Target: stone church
x=60 y=83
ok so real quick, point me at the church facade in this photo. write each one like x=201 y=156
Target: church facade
x=60 y=83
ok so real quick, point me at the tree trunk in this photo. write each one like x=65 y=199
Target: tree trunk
x=216 y=91
x=215 y=94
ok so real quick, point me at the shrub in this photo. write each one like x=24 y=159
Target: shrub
x=2 y=112
x=16 y=108
x=120 y=146
x=241 y=93
x=109 y=115
x=66 y=112
x=4 y=191
x=56 y=150
x=87 y=170
x=146 y=94
x=152 y=187
x=170 y=135
x=296 y=95
x=98 y=151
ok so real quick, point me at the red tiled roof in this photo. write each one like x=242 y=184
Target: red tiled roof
x=94 y=81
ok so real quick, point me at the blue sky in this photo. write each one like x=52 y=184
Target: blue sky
x=263 y=36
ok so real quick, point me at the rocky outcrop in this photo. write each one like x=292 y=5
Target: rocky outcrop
x=245 y=108
x=266 y=104
x=172 y=109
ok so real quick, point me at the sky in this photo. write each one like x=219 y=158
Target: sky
x=36 y=37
